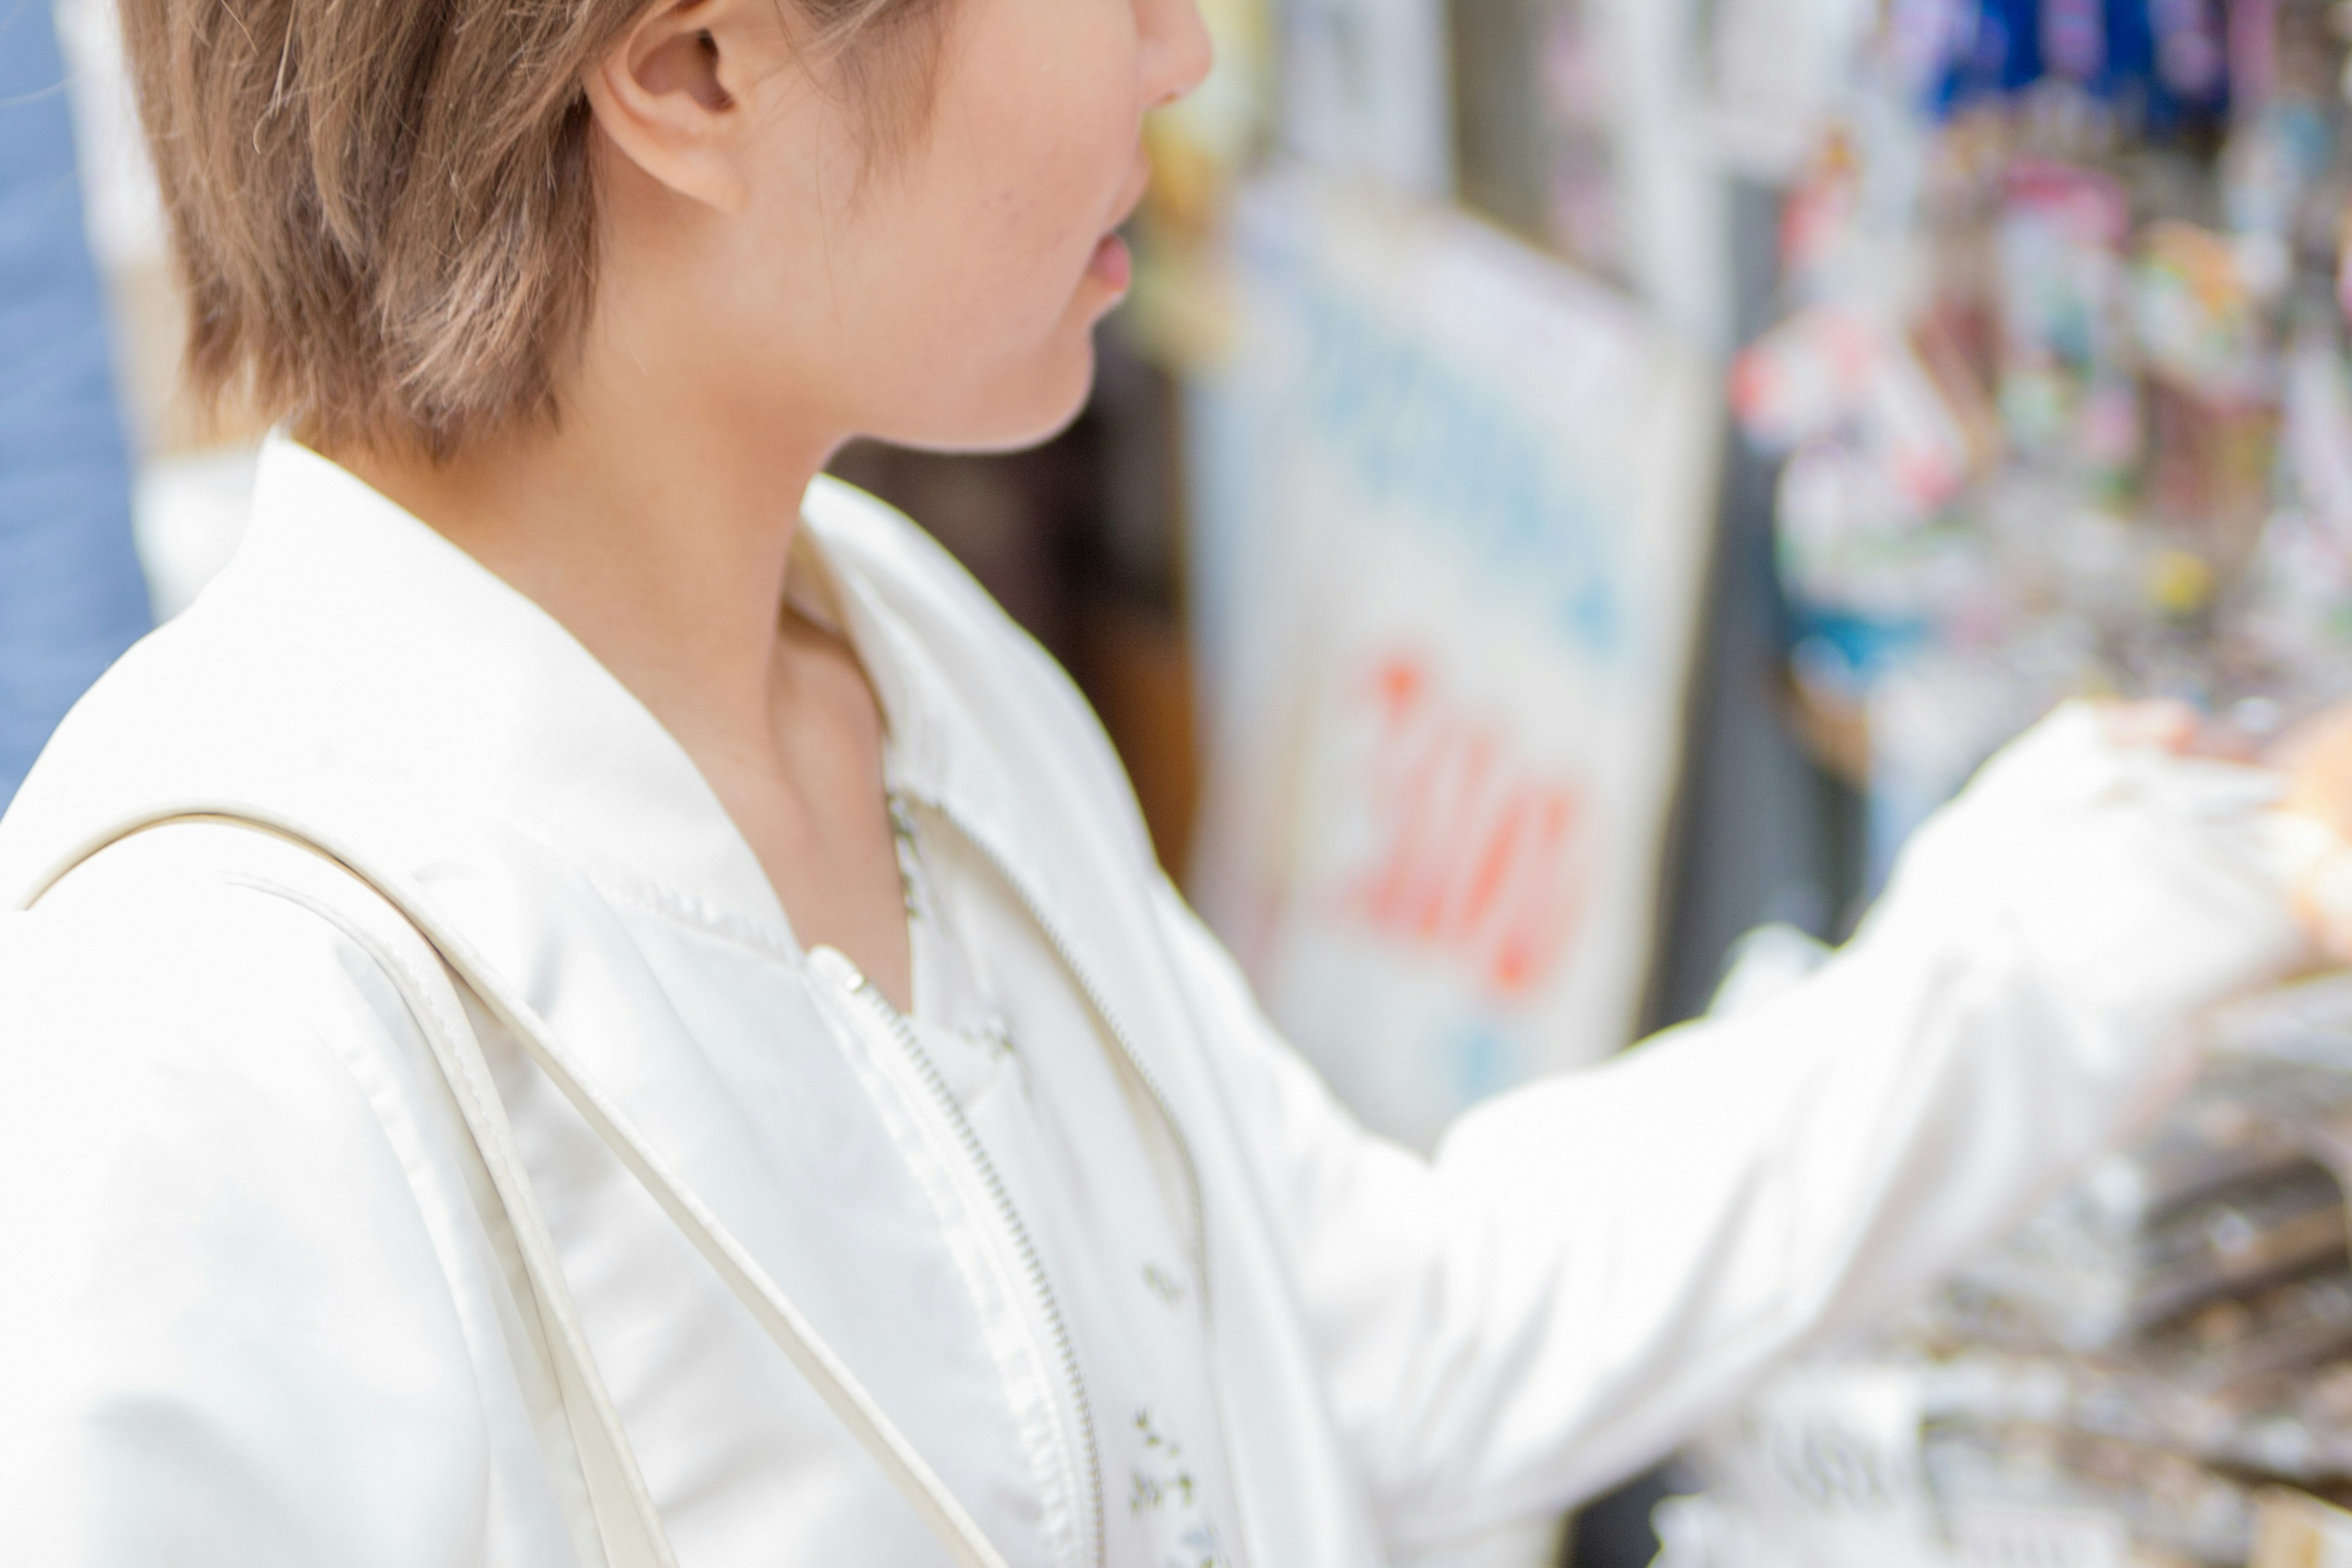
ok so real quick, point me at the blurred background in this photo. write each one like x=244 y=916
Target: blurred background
x=1575 y=481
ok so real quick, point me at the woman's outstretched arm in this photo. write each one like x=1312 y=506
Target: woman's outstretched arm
x=1591 y=1265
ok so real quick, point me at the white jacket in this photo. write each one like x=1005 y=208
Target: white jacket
x=260 y=1305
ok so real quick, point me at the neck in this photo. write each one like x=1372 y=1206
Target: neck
x=654 y=528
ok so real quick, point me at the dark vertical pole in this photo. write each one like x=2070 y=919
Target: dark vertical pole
x=71 y=595
x=1760 y=832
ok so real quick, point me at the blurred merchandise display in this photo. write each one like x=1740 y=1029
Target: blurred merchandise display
x=2061 y=384
x=1363 y=91
x=1536 y=107
x=1579 y=126
x=2060 y=392
x=2156 y=1368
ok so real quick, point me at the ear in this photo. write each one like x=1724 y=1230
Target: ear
x=672 y=95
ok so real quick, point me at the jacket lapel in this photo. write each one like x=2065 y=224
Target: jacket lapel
x=1026 y=770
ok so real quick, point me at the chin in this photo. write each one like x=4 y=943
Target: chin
x=1033 y=410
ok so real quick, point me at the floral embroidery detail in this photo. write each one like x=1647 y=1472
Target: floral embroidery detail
x=1200 y=1549
x=910 y=854
x=1195 y=1544
x=995 y=1036
x=1163 y=1284
x=1166 y=1501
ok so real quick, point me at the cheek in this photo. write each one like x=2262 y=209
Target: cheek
x=976 y=296
x=1042 y=123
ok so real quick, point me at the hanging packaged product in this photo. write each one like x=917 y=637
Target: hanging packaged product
x=2055 y=406
x=2064 y=382
x=1835 y=373
x=2111 y=247
x=2194 y=306
x=2129 y=1379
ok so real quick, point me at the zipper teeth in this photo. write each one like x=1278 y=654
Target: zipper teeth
x=1032 y=1263
x=1126 y=1047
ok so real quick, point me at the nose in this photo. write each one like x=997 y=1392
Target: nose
x=1177 y=53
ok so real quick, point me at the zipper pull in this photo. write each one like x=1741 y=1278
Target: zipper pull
x=832 y=967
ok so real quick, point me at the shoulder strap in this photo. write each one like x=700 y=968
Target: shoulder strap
x=628 y=1525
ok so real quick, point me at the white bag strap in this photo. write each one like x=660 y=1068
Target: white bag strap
x=626 y=1522
x=628 y=1525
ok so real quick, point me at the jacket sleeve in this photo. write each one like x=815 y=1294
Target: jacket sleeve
x=1591 y=1265
x=226 y=1331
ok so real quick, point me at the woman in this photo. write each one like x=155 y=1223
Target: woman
x=582 y=1006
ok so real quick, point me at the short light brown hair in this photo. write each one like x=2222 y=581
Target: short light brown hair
x=382 y=210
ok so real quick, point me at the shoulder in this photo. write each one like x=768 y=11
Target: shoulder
x=182 y=1026
x=187 y=1049
x=201 y=931
x=223 y=1211
x=199 y=688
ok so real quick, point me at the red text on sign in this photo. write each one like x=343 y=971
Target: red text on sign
x=1471 y=850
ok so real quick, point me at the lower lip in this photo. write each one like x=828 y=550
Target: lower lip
x=1113 y=263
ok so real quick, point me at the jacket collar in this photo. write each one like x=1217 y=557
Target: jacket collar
x=347 y=635
x=412 y=655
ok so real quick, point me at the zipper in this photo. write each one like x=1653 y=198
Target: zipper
x=1051 y=933
x=1095 y=999
x=836 y=966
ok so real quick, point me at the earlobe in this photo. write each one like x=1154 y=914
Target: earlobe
x=662 y=98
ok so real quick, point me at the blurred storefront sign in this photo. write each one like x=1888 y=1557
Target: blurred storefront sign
x=1451 y=518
